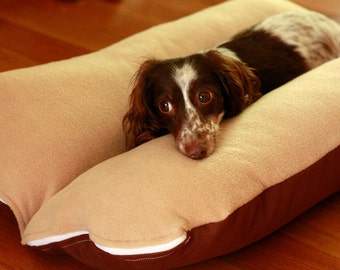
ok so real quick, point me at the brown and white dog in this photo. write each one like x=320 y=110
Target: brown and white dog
x=189 y=96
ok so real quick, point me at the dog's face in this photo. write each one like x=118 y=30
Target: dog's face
x=187 y=97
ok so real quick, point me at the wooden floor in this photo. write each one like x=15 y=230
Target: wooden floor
x=35 y=32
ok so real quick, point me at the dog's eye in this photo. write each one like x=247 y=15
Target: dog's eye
x=204 y=97
x=165 y=106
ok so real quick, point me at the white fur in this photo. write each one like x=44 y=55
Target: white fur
x=194 y=129
x=316 y=37
x=183 y=77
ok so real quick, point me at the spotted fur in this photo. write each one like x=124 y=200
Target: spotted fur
x=315 y=37
x=195 y=128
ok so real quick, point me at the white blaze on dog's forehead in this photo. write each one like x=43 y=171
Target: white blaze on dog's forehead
x=184 y=76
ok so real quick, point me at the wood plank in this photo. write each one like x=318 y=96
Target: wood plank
x=12 y=60
x=38 y=47
x=280 y=252
x=55 y=30
x=214 y=264
x=319 y=229
x=94 y=24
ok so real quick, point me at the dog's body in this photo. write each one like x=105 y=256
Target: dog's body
x=189 y=96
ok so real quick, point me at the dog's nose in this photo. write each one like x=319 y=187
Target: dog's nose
x=196 y=150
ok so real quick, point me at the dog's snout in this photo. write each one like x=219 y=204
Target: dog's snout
x=196 y=150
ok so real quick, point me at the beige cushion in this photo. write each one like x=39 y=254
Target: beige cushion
x=60 y=119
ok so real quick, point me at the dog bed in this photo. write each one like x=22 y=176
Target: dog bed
x=74 y=190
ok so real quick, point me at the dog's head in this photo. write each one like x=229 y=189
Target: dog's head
x=188 y=97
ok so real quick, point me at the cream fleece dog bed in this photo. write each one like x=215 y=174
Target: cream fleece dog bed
x=72 y=189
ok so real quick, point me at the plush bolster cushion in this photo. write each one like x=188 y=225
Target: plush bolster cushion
x=151 y=207
x=60 y=119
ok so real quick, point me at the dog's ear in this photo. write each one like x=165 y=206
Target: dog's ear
x=241 y=85
x=139 y=123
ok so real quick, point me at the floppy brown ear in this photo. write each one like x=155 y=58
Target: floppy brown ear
x=139 y=123
x=241 y=85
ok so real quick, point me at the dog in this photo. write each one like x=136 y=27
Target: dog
x=189 y=96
